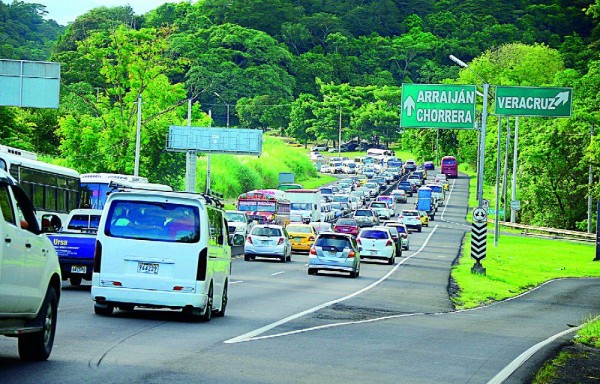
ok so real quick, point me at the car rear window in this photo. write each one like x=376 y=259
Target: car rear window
x=409 y=213
x=298 y=229
x=84 y=221
x=266 y=231
x=143 y=220
x=379 y=205
x=345 y=222
x=374 y=234
x=363 y=213
x=338 y=242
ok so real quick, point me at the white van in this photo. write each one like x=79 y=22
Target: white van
x=162 y=250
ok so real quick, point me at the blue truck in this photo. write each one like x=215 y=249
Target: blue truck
x=75 y=244
x=426 y=202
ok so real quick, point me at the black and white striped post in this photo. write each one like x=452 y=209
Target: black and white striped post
x=479 y=239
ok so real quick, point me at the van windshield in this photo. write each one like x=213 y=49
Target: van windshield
x=143 y=220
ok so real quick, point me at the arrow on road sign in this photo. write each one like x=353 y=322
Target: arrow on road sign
x=561 y=98
x=409 y=106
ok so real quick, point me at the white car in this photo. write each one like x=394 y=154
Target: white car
x=325 y=168
x=382 y=209
x=266 y=240
x=376 y=243
x=411 y=218
x=402 y=232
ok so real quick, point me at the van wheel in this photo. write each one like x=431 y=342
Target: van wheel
x=224 y=300
x=103 y=309
x=312 y=271
x=247 y=258
x=38 y=345
x=207 y=315
x=75 y=281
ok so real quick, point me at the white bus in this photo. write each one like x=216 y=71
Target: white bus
x=54 y=190
x=95 y=186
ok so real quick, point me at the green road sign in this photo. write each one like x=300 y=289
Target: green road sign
x=534 y=101
x=438 y=106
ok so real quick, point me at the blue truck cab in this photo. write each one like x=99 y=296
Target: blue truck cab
x=425 y=201
x=75 y=244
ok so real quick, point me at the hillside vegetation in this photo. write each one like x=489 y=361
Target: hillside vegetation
x=303 y=68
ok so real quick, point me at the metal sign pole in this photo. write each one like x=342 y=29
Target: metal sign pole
x=208 y=163
x=513 y=212
x=597 y=258
x=136 y=168
x=190 y=159
x=496 y=230
x=486 y=89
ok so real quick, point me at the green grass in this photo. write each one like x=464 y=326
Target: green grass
x=318 y=181
x=232 y=175
x=590 y=334
x=517 y=265
x=549 y=371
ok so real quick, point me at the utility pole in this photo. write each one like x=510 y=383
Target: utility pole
x=190 y=159
x=496 y=225
x=590 y=183
x=340 y=134
x=208 y=162
x=505 y=175
x=136 y=168
x=513 y=213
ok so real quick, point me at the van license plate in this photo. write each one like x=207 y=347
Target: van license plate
x=148 y=268
x=82 y=269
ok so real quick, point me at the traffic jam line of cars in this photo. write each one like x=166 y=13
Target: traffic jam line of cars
x=373 y=217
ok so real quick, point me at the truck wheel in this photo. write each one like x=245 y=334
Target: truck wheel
x=103 y=309
x=38 y=345
x=75 y=281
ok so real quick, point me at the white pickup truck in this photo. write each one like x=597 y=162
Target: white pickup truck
x=30 y=278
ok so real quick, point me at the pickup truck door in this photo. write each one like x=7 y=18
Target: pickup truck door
x=11 y=260
x=33 y=249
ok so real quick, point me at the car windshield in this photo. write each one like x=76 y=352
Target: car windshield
x=374 y=234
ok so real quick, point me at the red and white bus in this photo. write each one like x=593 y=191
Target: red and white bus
x=265 y=206
x=450 y=166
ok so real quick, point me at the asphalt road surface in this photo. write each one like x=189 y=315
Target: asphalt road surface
x=393 y=324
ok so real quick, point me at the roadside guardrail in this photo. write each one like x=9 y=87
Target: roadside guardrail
x=554 y=233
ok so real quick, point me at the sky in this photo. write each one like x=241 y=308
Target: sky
x=66 y=11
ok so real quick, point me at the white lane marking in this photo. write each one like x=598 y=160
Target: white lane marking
x=523 y=357
x=237 y=282
x=448 y=200
x=277 y=273
x=250 y=335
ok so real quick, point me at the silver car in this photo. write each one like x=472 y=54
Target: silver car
x=334 y=252
x=266 y=240
x=411 y=218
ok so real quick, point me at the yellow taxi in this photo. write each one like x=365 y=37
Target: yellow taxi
x=424 y=218
x=302 y=236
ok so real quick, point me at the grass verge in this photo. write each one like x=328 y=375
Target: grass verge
x=590 y=334
x=517 y=265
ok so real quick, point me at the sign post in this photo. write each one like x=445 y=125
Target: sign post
x=479 y=239
x=534 y=101
x=438 y=106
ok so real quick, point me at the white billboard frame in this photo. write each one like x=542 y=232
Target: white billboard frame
x=235 y=141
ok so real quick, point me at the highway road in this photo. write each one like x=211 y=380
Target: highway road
x=393 y=324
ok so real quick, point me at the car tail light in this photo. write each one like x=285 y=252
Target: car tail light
x=313 y=251
x=418 y=217
x=358 y=241
x=351 y=254
x=389 y=243
x=281 y=240
x=405 y=235
x=336 y=228
x=312 y=238
x=249 y=239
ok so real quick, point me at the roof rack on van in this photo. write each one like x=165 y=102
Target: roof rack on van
x=210 y=198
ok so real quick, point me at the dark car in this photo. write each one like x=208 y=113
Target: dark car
x=348 y=147
x=335 y=252
x=428 y=165
x=349 y=226
x=406 y=186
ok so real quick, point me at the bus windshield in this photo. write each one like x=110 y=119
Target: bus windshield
x=251 y=206
x=94 y=195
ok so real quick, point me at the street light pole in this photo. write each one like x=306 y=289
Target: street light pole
x=136 y=168
x=486 y=90
x=226 y=104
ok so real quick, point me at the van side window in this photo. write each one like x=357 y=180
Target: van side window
x=6 y=205
x=215 y=227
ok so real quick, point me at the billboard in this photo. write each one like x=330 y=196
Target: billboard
x=34 y=84
x=215 y=140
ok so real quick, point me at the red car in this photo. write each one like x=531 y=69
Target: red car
x=348 y=226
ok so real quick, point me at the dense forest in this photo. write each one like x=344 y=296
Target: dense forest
x=294 y=65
